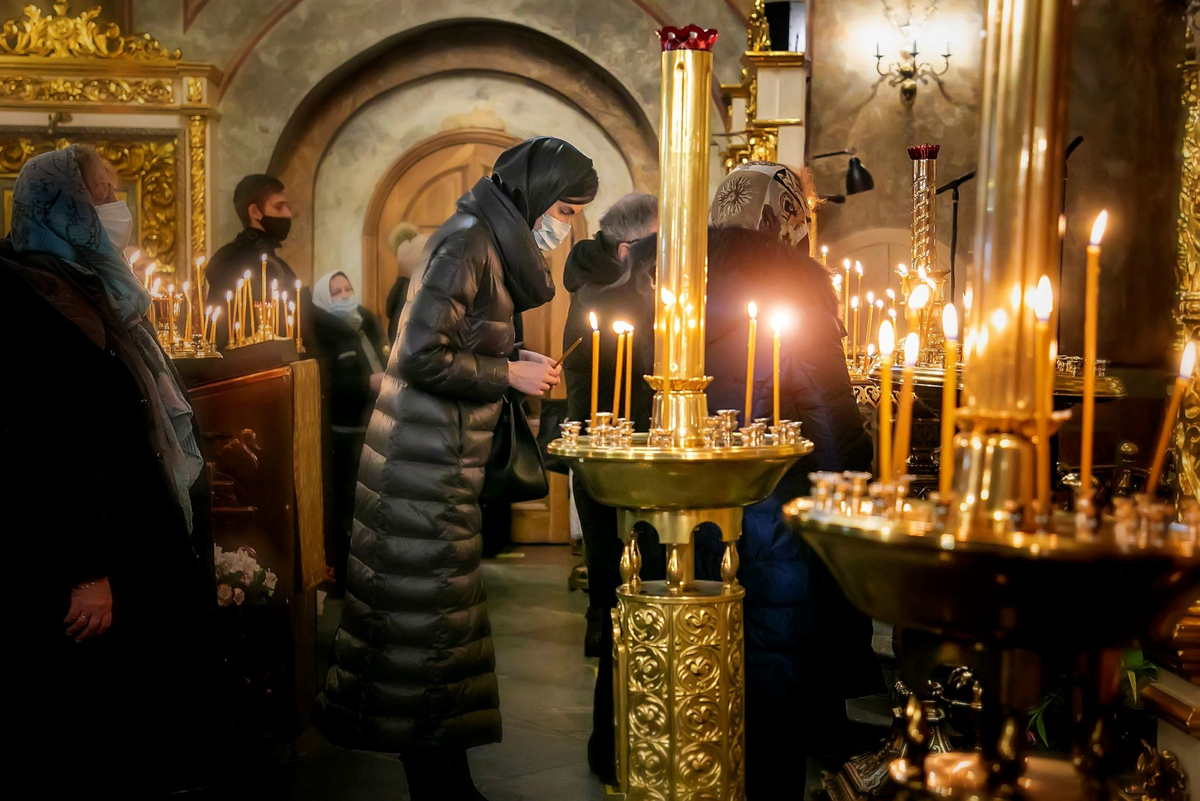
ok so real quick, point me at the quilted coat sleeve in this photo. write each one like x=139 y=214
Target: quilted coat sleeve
x=434 y=346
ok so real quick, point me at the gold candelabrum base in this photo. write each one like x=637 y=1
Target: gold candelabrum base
x=679 y=685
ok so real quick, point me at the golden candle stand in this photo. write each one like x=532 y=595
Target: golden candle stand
x=678 y=643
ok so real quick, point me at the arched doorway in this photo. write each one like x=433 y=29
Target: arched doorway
x=422 y=188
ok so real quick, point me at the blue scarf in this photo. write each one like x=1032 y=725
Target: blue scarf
x=53 y=213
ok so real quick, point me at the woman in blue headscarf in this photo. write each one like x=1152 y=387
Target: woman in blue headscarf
x=102 y=483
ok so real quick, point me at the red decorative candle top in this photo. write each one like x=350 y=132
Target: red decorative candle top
x=923 y=152
x=693 y=37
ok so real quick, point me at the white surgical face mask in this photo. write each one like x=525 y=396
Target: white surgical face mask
x=551 y=232
x=117 y=222
x=345 y=304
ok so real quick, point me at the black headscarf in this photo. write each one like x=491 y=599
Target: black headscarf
x=541 y=171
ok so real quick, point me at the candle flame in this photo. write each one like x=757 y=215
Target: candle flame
x=854 y=302
x=622 y=327
x=825 y=249
x=593 y=321
x=199 y=261
x=187 y=286
x=887 y=339
x=858 y=267
x=1043 y=300
x=912 y=346
x=240 y=282
x=216 y=313
x=999 y=320
x=275 y=294
x=950 y=321
x=157 y=284
x=1188 y=363
x=779 y=321
x=837 y=282
x=902 y=269
x=291 y=305
x=229 y=296
x=891 y=295
x=668 y=297
x=968 y=297
x=274 y=283
x=921 y=273
x=892 y=313
x=264 y=257
x=170 y=289
x=870 y=350
x=290 y=321
x=297 y=284
x=246 y=275
x=870 y=298
x=919 y=298
x=752 y=310
x=285 y=297
x=846 y=264
x=1098 y=228
x=133 y=257
x=879 y=304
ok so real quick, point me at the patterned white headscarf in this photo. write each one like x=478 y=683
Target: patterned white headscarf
x=762 y=196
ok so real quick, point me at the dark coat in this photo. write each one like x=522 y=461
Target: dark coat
x=413 y=661
x=85 y=487
x=345 y=369
x=397 y=297
x=796 y=617
x=598 y=283
x=245 y=252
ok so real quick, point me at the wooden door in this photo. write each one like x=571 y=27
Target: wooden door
x=422 y=188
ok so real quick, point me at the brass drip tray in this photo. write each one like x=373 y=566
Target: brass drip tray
x=1038 y=591
x=642 y=477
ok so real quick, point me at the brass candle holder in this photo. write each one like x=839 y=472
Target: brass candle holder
x=678 y=643
x=979 y=564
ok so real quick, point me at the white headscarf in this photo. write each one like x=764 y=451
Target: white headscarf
x=762 y=196
x=323 y=300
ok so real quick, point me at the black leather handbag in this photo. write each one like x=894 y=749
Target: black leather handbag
x=515 y=470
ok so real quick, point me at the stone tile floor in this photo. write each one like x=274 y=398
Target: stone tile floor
x=545 y=697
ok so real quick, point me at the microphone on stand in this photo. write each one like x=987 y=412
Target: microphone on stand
x=953 y=187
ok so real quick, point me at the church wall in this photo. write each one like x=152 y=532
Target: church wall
x=386 y=128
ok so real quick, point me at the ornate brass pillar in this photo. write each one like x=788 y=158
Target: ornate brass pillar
x=1187 y=270
x=1016 y=236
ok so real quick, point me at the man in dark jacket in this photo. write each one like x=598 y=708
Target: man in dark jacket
x=604 y=280
x=266 y=218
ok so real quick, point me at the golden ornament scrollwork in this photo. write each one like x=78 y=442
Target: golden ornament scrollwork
x=197 y=146
x=1187 y=270
x=148 y=164
x=58 y=35
x=146 y=92
x=195 y=90
x=758 y=37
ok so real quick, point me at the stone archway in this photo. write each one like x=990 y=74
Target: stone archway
x=500 y=49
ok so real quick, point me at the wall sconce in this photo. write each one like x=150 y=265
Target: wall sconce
x=908 y=71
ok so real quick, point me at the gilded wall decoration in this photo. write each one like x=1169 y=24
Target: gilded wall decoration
x=197 y=134
x=149 y=166
x=195 y=90
x=59 y=35
x=1187 y=270
x=142 y=91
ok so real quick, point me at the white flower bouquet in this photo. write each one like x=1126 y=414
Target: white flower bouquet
x=240 y=579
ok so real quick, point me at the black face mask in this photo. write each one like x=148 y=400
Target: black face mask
x=276 y=227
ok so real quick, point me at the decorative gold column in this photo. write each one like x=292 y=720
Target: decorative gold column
x=924 y=253
x=1016 y=242
x=679 y=402
x=1187 y=271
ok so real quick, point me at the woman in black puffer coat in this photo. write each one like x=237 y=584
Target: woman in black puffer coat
x=413 y=667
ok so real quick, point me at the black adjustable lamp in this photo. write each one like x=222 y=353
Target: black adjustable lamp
x=857 y=178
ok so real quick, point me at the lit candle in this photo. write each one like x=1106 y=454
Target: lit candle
x=854 y=330
x=187 y=299
x=891 y=303
x=248 y=305
x=171 y=312
x=150 y=272
x=595 y=366
x=917 y=301
x=858 y=268
x=291 y=307
x=776 y=328
x=870 y=320
x=298 y=329
x=618 y=329
x=1043 y=383
x=275 y=321
x=1186 y=365
x=949 y=397
x=912 y=346
x=887 y=344
x=846 y=293
x=237 y=330
x=752 y=310
x=264 y=278
x=212 y=330
x=1090 y=323
x=824 y=256
x=229 y=315
x=628 y=371
x=204 y=323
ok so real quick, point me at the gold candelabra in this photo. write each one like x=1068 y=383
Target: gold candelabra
x=960 y=564
x=678 y=648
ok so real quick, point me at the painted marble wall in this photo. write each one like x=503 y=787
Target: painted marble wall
x=272 y=74
x=383 y=130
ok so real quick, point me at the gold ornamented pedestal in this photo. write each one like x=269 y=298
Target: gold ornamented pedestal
x=678 y=643
x=1187 y=271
